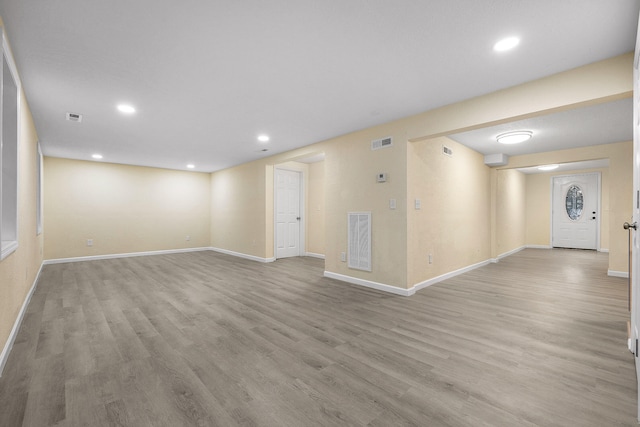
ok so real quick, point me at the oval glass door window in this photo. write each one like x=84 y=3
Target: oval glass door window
x=574 y=201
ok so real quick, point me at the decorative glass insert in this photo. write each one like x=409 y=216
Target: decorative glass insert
x=574 y=201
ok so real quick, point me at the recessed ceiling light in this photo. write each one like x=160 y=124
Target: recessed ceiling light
x=97 y=156
x=547 y=167
x=263 y=138
x=127 y=109
x=514 y=137
x=191 y=166
x=506 y=44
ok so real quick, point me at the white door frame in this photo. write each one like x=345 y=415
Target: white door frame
x=635 y=242
x=599 y=208
x=303 y=212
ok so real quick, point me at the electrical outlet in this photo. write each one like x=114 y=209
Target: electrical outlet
x=188 y=238
x=418 y=204
x=89 y=242
x=343 y=256
x=392 y=203
x=430 y=259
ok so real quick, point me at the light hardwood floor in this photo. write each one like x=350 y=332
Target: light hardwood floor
x=207 y=339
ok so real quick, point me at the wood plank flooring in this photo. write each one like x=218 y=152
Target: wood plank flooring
x=205 y=339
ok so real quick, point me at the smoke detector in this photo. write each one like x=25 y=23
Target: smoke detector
x=74 y=117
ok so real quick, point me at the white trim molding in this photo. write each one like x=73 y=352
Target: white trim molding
x=511 y=252
x=163 y=252
x=369 y=284
x=4 y=356
x=241 y=255
x=314 y=255
x=451 y=274
x=613 y=273
x=538 y=247
x=125 y=255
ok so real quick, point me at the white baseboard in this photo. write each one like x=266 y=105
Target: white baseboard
x=241 y=255
x=511 y=252
x=451 y=274
x=613 y=273
x=538 y=246
x=314 y=255
x=125 y=255
x=4 y=356
x=369 y=284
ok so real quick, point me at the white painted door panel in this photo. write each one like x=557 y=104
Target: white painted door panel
x=288 y=185
x=575 y=211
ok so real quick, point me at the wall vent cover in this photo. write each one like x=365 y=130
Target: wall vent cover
x=74 y=117
x=447 y=151
x=377 y=144
x=359 y=240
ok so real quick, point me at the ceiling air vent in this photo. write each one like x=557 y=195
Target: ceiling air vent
x=447 y=151
x=74 y=117
x=377 y=144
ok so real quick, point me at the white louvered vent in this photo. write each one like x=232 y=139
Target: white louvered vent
x=359 y=240
x=74 y=117
x=377 y=144
x=447 y=151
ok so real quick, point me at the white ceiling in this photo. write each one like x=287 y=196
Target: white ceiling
x=208 y=77
x=580 y=127
x=567 y=167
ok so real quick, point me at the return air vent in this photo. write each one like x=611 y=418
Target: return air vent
x=377 y=144
x=359 y=240
x=74 y=117
x=447 y=151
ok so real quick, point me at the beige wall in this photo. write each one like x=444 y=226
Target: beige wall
x=122 y=208
x=242 y=197
x=242 y=202
x=453 y=224
x=315 y=209
x=620 y=194
x=538 y=208
x=351 y=168
x=18 y=271
x=510 y=211
x=238 y=205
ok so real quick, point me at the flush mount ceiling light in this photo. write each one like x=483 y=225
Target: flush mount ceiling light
x=97 y=156
x=263 y=138
x=127 y=109
x=191 y=166
x=547 y=167
x=514 y=137
x=506 y=44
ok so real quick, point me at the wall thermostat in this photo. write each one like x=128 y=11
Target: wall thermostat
x=382 y=177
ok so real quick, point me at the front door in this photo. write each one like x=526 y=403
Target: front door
x=576 y=201
x=288 y=185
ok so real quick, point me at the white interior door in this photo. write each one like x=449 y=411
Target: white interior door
x=288 y=186
x=576 y=200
